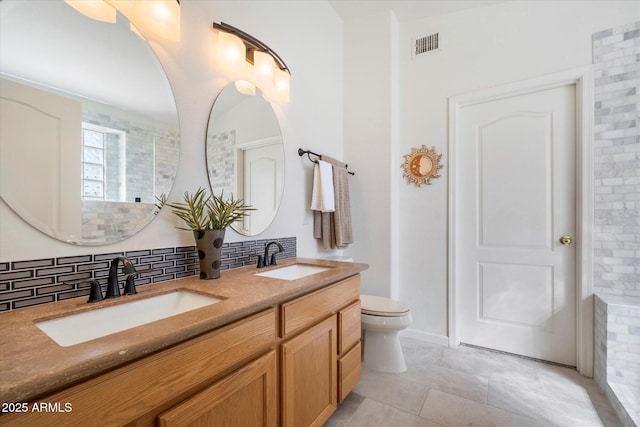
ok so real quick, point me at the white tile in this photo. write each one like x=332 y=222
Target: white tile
x=454 y=411
x=463 y=384
x=518 y=394
x=473 y=387
x=484 y=362
x=345 y=411
x=374 y=414
x=392 y=389
x=418 y=353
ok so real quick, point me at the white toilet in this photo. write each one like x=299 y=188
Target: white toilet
x=382 y=319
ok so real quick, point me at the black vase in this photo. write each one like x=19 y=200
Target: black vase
x=209 y=245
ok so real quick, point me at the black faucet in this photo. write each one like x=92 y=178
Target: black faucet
x=263 y=260
x=113 y=287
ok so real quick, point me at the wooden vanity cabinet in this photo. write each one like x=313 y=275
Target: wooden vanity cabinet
x=321 y=335
x=288 y=365
x=137 y=393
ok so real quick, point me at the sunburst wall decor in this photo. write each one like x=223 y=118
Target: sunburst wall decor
x=421 y=165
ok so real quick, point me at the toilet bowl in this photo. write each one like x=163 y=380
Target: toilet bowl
x=382 y=319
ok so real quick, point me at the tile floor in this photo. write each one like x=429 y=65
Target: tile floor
x=473 y=387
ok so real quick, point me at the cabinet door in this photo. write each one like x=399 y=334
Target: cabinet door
x=309 y=376
x=246 y=398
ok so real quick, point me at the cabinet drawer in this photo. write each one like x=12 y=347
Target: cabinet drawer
x=349 y=327
x=159 y=381
x=348 y=372
x=304 y=311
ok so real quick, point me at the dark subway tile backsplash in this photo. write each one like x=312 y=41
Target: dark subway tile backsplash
x=32 y=282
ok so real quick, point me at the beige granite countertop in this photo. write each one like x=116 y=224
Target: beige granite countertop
x=32 y=365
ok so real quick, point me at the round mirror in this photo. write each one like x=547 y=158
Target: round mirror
x=89 y=130
x=245 y=155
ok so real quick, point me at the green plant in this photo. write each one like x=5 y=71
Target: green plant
x=201 y=211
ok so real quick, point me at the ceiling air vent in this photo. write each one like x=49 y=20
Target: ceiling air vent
x=426 y=44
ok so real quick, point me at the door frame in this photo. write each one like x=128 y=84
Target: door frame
x=582 y=78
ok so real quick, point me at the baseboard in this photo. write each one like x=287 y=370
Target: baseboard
x=425 y=336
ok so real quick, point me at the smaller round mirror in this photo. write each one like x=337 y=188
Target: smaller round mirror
x=421 y=165
x=245 y=155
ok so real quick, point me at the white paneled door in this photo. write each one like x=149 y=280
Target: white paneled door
x=40 y=167
x=262 y=170
x=515 y=224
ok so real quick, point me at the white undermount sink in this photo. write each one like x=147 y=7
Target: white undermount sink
x=293 y=272
x=92 y=324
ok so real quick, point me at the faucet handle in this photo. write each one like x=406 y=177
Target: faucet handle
x=273 y=258
x=130 y=285
x=127 y=267
x=95 y=294
x=260 y=263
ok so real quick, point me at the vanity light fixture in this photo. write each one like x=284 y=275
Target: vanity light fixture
x=159 y=17
x=243 y=56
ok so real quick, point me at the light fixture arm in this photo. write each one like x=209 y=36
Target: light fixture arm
x=252 y=44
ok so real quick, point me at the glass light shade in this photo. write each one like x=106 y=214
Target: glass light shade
x=245 y=87
x=94 y=9
x=231 y=53
x=264 y=64
x=281 y=87
x=158 y=17
x=264 y=68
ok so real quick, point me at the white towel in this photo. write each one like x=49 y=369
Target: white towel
x=322 y=196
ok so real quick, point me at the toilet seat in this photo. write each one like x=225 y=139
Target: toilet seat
x=380 y=306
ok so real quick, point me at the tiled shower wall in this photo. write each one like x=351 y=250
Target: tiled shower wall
x=152 y=151
x=104 y=221
x=616 y=55
x=32 y=282
x=617 y=354
x=222 y=172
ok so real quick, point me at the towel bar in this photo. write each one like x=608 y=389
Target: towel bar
x=302 y=152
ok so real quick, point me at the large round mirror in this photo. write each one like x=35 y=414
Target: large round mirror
x=89 y=130
x=245 y=156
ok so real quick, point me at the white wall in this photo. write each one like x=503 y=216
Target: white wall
x=252 y=120
x=480 y=48
x=308 y=36
x=370 y=134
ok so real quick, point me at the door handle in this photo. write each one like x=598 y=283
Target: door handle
x=566 y=240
